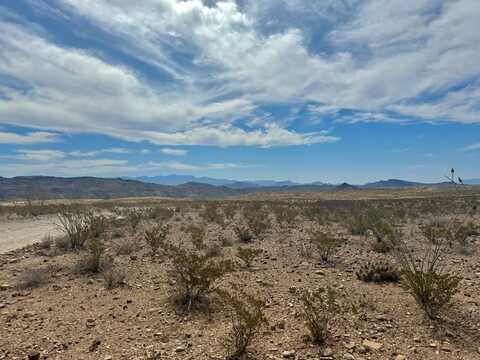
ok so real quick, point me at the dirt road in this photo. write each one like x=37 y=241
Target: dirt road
x=15 y=234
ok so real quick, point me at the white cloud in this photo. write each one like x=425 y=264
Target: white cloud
x=408 y=50
x=55 y=165
x=174 y=152
x=381 y=60
x=472 y=147
x=39 y=137
x=39 y=155
x=95 y=153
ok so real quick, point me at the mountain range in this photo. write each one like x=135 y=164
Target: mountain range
x=49 y=187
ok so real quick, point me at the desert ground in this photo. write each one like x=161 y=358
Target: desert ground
x=54 y=304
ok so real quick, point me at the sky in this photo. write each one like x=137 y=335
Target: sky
x=331 y=90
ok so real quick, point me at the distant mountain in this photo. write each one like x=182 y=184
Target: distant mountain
x=175 y=179
x=47 y=187
x=472 y=181
x=392 y=183
x=346 y=187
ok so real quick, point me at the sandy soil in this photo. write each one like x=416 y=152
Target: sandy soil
x=17 y=233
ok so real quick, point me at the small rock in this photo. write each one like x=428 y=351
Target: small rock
x=33 y=355
x=180 y=349
x=289 y=354
x=94 y=345
x=348 y=356
x=372 y=345
x=327 y=352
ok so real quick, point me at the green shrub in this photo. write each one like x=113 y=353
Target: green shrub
x=155 y=237
x=194 y=272
x=432 y=288
x=247 y=317
x=318 y=309
x=433 y=231
x=211 y=213
x=93 y=261
x=244 y=235
x=326 y=244
x=384 y=237
x=248 y=255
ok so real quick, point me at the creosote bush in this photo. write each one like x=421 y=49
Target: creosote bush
x=384 y=236
x=126 y=246
x=248 y=255
x=431 y=287
x=378 y=271
x=194 y=272
x=319 y=308
x=94 y=261
x=325 y=243
x=247 y=317
x=434 y=230
x=244 y=235
x=155 y=237
x=113 y=277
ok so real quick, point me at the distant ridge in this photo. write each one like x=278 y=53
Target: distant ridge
x=393 y=183
x=346 y=187
x=50 y=187
x=175 y=179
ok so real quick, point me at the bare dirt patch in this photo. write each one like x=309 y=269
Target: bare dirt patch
x=18 y=233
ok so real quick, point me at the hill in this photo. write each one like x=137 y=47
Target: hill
x=47 y=187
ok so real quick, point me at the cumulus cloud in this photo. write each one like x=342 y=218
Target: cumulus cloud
x=49 y=163
x=39 y=155
x=174 y=152
x=39 y=137
x=222 y=63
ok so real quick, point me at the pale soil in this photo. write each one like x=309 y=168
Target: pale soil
x=17 y=233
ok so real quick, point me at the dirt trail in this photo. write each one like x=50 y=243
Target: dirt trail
x=15 y=234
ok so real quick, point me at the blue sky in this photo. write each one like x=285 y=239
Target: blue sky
x=343 y=90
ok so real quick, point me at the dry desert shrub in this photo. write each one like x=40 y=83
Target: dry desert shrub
x=425 y=278
x=326 y=244
x=319 y=308
x=78 y=227
x=134 y=218
x=113 y=277
x=32 y=278
x=434 y=230
x=126 y=246
x=248 y=255
x=247 y=317
x=384 y=236
x=243 y=233
x=95 y=260
x=195 y=272
x=211 y=213
x=229 y=211
x=155 y=237
x=285 y=215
